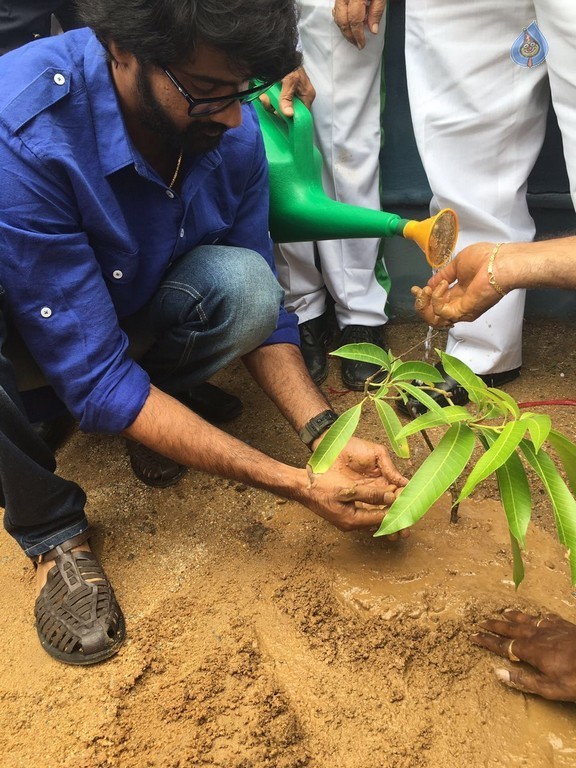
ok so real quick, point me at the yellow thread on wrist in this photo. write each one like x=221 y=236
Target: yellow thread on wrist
x=491 y=279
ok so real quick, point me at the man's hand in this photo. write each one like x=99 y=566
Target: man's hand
x=357 y=490
x=353 y=16
x=441 y=304
x=298 y=84
x=547 y=645
x=363 y=481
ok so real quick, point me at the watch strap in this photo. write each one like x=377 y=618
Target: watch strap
x=317 y=426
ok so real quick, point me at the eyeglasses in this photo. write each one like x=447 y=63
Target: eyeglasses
x=207 y=106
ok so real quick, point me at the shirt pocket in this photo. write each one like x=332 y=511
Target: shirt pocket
x=118 y=267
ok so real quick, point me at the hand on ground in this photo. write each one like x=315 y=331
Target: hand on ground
x=546 y=644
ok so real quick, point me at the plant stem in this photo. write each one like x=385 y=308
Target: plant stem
x=453 y=488
x=427 y=440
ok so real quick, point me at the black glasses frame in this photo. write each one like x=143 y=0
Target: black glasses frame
x=219 y=102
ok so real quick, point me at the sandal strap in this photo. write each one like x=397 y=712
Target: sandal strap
x=153 y=468
x=65 y=546
x=78 y=618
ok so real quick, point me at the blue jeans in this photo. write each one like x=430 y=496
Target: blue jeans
x=215 y=304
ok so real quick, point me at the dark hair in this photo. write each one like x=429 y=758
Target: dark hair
x=258 y=36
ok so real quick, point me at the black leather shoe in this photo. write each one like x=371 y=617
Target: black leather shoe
x=313 y=337
x=211 y=403
x=458 y=394
x=355 y=372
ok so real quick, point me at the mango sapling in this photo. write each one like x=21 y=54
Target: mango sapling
x=511 y=440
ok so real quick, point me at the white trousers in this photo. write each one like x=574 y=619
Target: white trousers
x=479 y=120
x=346 y=115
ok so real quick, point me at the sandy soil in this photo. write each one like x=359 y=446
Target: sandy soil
x=259 y=636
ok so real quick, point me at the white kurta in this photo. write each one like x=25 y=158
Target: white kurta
x=479 y=120
x=346 y=116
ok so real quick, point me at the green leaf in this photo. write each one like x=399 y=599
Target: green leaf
x=366 y=353
x=422 y=372
x=420 y=395
x=463 y=375
x=539 y=426
x=504 y=401
x=434 y=476
x=563 y=503
x=566 y=451
x=393 y=426
x=498 y=453
x=514 y=492
x=335 y=440
x=492 y=411
x=518 y=567
x=448 y=415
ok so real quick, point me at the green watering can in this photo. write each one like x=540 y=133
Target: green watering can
x=300 y=210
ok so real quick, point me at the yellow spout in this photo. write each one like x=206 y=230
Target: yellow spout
x=436 y=236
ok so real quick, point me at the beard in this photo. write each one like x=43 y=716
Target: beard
x=199 y=137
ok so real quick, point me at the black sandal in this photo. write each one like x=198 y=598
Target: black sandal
x=78 y=619
x=152 y=468
x=211 y=403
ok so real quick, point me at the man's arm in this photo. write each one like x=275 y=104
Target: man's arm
x=482 y=273
x=165 y=425
x=280 y=371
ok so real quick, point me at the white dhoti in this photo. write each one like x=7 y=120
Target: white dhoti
x=479 y=120
x=346 y=116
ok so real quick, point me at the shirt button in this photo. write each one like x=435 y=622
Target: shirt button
x=117 y=274
x=169 y=194
x=59 y=79
x=46 y=312
x=181 y=233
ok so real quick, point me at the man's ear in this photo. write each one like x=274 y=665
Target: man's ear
x=120 y=57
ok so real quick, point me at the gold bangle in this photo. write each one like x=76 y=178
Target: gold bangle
x=491 y=279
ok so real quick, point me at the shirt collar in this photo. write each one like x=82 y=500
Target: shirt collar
x=114 y=145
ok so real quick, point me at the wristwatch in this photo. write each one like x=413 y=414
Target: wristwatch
x=317 y=426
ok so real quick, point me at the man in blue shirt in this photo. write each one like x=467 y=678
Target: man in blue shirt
x=134 y=194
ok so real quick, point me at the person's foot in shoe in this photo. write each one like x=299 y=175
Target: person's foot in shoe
x=313 y=338
x=455 y=394
x=208 y=401
x=355 y=372
x=54 y=432
x=211 y=403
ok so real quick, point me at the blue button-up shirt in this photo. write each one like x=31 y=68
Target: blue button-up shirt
x=88 y=228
